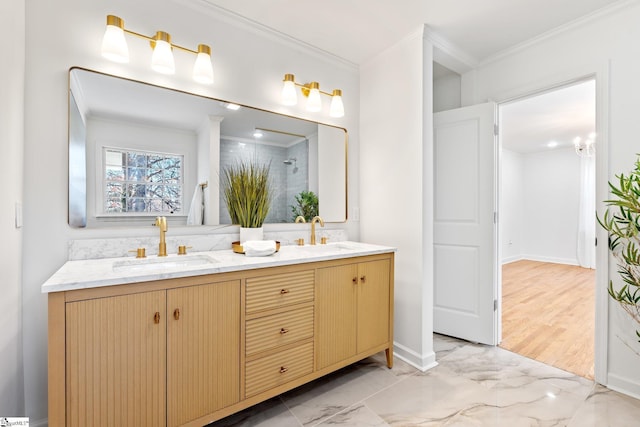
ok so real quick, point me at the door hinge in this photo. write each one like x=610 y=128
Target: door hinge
x=495 y=129
x=495 y=217
x=495 y=305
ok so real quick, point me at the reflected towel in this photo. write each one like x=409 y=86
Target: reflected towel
x=196 y=210
x=259 y=247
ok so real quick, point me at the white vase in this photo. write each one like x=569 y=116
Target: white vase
x=251 y=234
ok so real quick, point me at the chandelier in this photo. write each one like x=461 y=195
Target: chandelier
x=587 y=147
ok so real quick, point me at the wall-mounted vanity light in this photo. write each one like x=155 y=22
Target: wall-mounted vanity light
x=312 y=92
x=114 y=47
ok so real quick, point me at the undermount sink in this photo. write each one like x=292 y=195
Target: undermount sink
x=155 y=263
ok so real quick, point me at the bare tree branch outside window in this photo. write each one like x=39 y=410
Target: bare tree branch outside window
x=138 y=182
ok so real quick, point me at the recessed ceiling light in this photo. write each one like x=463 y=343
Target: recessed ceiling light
x=257 y=134
x=233 y=107
x=552 y=144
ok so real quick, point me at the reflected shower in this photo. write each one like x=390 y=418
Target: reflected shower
x=291 y=161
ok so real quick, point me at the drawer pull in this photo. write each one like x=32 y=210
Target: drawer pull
x=355 y=280
x=283 y=369
x=284 y=291
x=363 y=278
x=156 y=317
x=283 y=331
x=176 y=314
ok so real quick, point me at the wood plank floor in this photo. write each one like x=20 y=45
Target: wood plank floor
x=548 y=313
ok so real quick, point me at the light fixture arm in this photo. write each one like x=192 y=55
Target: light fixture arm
x=153 y=40
x=306 y=88
x=114 y=47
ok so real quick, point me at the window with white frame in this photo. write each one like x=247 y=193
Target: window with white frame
x=138 y=182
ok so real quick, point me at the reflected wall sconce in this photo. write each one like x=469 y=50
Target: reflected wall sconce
x=114 y=48
x=312 y=92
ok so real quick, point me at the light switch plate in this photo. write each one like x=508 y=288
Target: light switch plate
x=355 y=213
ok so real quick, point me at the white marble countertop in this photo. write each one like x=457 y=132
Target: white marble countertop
x=93 y=273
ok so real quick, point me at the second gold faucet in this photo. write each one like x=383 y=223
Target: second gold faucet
x=313 y=228
x=161 y=223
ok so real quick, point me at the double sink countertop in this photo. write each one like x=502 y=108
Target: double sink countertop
x=93 y=273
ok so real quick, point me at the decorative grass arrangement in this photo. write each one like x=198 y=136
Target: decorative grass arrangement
x=622 y=221
x=247 y=192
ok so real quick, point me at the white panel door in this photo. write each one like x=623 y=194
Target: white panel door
x=464 y=231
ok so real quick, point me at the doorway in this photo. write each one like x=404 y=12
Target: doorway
x=547 y=250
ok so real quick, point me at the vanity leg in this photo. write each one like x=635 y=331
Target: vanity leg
x=389 y=353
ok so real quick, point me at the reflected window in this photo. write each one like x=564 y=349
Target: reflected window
x=138 y=182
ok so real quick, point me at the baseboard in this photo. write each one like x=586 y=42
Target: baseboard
x=511 y=259
x=421 y=362
x=541 y=258
x=623 y=385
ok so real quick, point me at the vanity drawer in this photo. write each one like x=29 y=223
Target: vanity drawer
x=265 y=333
x=271 y=371
x=279 y=290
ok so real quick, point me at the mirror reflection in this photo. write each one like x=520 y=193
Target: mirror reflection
x=137 y=151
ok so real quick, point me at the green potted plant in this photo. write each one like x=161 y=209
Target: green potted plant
x=247 y=194
x=622 y=220
x=306 y=206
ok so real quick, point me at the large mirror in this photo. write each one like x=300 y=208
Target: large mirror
x=137 y=151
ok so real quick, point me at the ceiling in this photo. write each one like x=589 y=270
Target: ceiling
x=528 y=125
x=356 y=30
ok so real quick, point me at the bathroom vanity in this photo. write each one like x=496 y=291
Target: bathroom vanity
x=187 y=340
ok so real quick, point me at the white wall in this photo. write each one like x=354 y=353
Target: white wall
x=551 y=206
x=608 y=48
x=446 y=93
x=540 y=206
x=396 y=189
x=12 y=45
x=512 y=205
x=248 y=64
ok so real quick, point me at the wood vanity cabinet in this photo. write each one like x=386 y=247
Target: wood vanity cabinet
x=279 y=329
x=122 y=351
x=203 y=349
x=189 y=351
x=354 y=314
x=115 y=360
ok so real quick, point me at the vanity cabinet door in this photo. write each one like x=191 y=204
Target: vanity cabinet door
x=352 y=310
x=116 y=361
x=336 y=314
x=373 y=304
x=203 y=350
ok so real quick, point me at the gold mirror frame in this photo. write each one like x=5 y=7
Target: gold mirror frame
x=79 y=192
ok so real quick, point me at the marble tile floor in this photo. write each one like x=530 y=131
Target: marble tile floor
x=473 y=385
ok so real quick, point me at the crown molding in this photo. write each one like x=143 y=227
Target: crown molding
x=264 y=31
x=449 y=54
x=576 y=23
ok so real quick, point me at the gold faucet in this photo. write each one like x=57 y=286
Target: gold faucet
x=161 y=222
x=300 y=218
x=313 y=228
